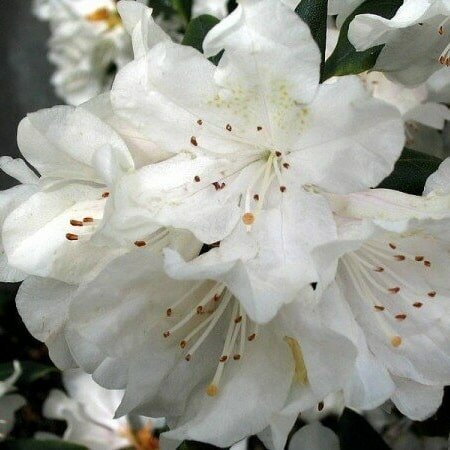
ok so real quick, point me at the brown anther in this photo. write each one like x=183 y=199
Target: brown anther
x=400 y=257
x=248 y=218
x=223 y=358
x=72 y=237
x=166 y=334
x=400 y=316
x=396 y=341
x=228 y=127
x=215 y=244
x=199 y=309
x=394 y=290
x=427 y=263
x=76 y=223
x=441 y=30
x=197 y=179
x=187 y=357
x=419 y=258
x=183 y=344
x=252 y=337
x=259 y=128
x=283 y=188
x=277 y=154
x=432 y=294
x=393 y=246
x=238 y=319
x=379 y=269
x=218 y=186
x=256 y=198
x=169 y=312
x=237 y=357
x=200 y=121
x=105 y=194
x=194 y=141
x=212 y=390
x=286 y=165
x=418 y=305
x=88 y=219
x=140 y=243
x=379 y=308
x=216 y=297
x=320 y=406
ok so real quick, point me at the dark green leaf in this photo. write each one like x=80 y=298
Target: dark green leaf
x=34 y=444
x=183 y=8
x=411 y=172
x=31 y=371
x=314 y=13
x=161 y=7
x=345 y=59
x=355 y=433
x=197 y=29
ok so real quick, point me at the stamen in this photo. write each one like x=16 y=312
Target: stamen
x=396 y=341
x=140 y=243
x=72 y=237
x=76 y=223
x=194 y=141
x=105 y=195
x=248 y=219
x=88 y=220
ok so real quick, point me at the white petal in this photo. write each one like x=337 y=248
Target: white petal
x=314 y=437
x=70 y=138
x=247 y=398
x=439 y=182
x=18 y=169
x=43 y=306
x=417 y=401
x=346 y=123
x=34 y=234
x=137 y=20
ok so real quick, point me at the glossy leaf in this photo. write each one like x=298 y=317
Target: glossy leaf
x=197 y=30
x=355 y=433
x=411 y=172
x=314 y=13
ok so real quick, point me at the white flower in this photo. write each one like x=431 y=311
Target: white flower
x=187 y=350
x=9 y=403
x=49 y=220
x=394 y=277
x=89 y=411
x=251 y=137
x=88 y=44
x=416 y=39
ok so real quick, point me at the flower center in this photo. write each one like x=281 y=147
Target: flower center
x=141 y=439
x=198 y=321
x=379 y=282
x=258 y=188
x=108 y=16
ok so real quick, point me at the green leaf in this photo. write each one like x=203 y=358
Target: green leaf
x=345 y=59
x=197 y=30
x=314 y=13
x=183 y=8
x=411 y=172
x=355 y=433
x=34 y=444
x=31 y=371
